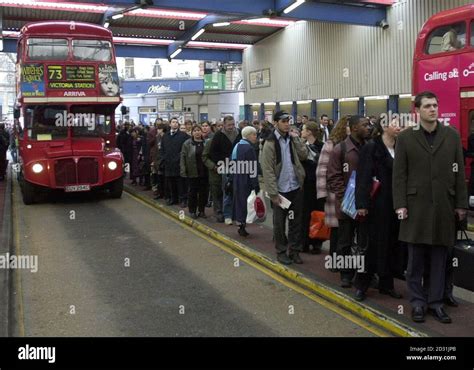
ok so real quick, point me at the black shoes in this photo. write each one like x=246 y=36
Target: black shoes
x=440 y=315
x=359 y=295
x=242 y=231
x=193 y=216
x=418 y=314
x=316 y=249
x=284 y=259
x=202 y=215
x=391 y=292
x=345 y=283
x=220 y=219
x=295 y=257
x=450 y=301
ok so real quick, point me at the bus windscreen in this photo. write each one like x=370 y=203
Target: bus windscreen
x=47 y=49
x=92 y=50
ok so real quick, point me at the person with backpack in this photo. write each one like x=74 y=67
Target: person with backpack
x=344 y=160
x=283 y=175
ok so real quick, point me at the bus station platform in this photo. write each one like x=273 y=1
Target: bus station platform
x=392 y=315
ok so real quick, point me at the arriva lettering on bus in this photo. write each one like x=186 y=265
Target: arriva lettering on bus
x=436 y=75
x=74 y=93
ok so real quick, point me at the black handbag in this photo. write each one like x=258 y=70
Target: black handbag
x=463 y=262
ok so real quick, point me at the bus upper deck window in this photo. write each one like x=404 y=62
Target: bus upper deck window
x=92 y=50
x=47 y=49
x=446 y=38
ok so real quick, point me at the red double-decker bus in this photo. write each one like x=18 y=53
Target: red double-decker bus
x=67 y=92
x=444 y=63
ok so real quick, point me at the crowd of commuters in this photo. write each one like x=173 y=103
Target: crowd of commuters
x=306 y=166
x=403 y=230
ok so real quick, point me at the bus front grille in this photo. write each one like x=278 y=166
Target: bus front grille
x=67 y=172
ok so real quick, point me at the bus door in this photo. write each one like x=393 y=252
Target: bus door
x=467 y=133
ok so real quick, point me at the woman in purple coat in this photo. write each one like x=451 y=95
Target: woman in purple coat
x=245 y=177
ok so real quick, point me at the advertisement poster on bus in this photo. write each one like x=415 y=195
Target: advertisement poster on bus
x=32 y=80
x=109 y=80
x=441 y=75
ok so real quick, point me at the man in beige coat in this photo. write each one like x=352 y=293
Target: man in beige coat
x=284 y=175
x=429 y=192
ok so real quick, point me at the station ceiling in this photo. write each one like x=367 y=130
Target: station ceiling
x=196 y=29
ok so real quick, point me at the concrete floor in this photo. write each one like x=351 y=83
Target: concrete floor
x=120 y=268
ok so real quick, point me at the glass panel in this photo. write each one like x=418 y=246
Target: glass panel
x=47 y=49
x=92 y=50
x=92 y=121
x=43 y=122
x=447 y=38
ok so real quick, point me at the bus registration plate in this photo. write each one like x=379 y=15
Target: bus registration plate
x=75 y=188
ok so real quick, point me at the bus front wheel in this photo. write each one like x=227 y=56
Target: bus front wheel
x=28 y=192
x=116 y=188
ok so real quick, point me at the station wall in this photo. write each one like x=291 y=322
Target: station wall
x=315 y=60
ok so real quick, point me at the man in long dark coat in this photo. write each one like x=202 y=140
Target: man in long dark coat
x=170 y=154
x=429 y=192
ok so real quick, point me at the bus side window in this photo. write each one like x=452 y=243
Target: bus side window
x=446 y=38
x=472 y=34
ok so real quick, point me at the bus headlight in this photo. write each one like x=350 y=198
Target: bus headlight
x=37 y=168
x=112 y=165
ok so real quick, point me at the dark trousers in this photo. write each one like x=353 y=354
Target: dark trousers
x=333 y=240
x=172 y=183
x=183 y=188
x=294 y=242
x=3 y=163
x=198 y=192
x=345 y=240
x=432 y=295
x=217 y=197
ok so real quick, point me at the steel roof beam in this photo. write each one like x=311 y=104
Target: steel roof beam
x=188 y=34
x=137 y=51
x=310 y=10
x=332 y=12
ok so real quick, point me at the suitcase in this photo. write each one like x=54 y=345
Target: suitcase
x=463 y=262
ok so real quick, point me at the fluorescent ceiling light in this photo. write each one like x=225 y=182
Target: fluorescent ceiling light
x=378 y=97
x=271 y=103
x=107 y=24
x=160 y=13
x=117 y=16
x=324 y=100
x=267 y=22
x=404 y=96
x=217 y=45
x=348 y=99
x=1 y=44
x=286 y=103
x=197 y=34
x=176 y=52
x=303 y=102
x=141 y=41
x=293 y=6
x=221 y=24
x=255 y=104
x=67 y=6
